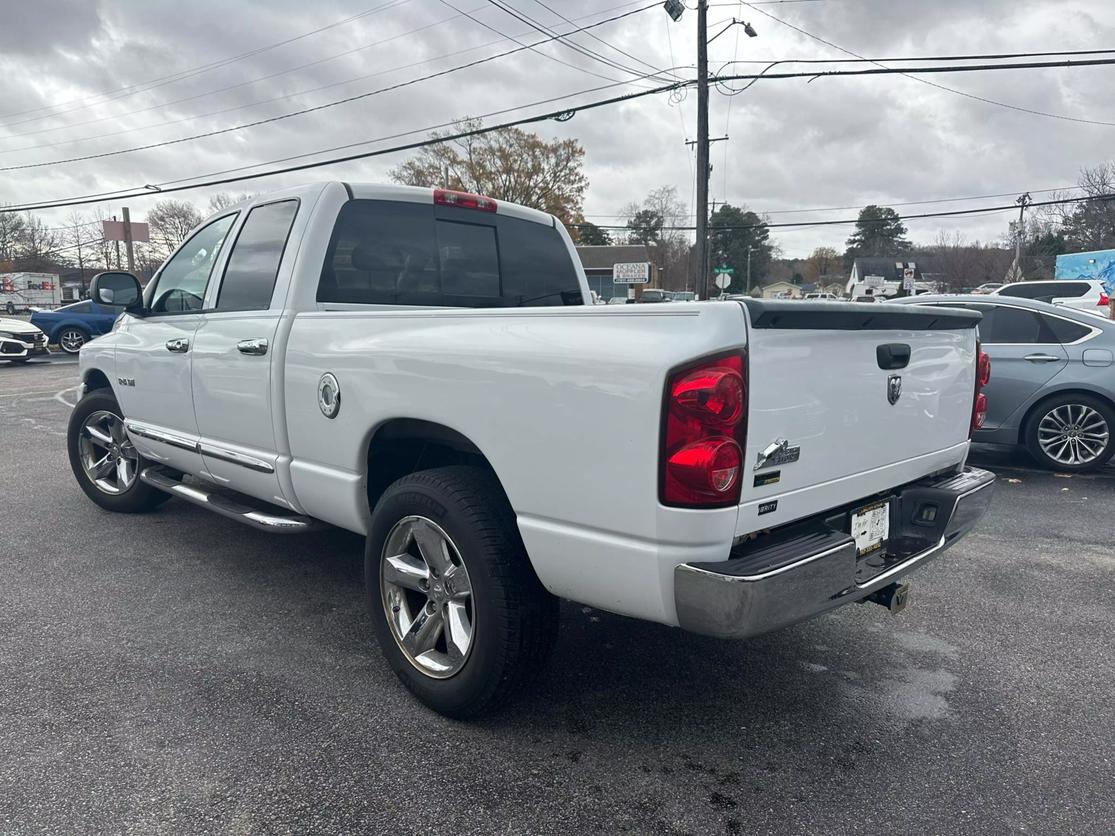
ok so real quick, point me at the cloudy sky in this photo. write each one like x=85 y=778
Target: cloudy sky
x=81 y=78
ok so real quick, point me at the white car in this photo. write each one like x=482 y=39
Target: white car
x=423 y=367
x=830 y=297
x=1081 y=294
x=20 y=341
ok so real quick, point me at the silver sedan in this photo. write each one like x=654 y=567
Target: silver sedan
x=1052 y=386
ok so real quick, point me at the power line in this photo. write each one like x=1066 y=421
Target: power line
x=523 y=17
x=214 y=92
x=151 y=84
x=259 y=102
x=316 y=108
x=947 y=89
x=810 y=75
x=597 y=38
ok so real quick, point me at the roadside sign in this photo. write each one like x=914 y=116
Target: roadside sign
x=114 y=231
x=873 y=281
x=908 y=278
x=635 y=272
x=723 y=280
x=727 y=270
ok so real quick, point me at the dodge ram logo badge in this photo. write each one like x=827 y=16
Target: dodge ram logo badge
x=329 y=395
x=776 y=453
x=894 y=388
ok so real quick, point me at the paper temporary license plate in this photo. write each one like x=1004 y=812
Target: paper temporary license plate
x=871 y=527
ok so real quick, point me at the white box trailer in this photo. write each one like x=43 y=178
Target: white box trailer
x=21 y=292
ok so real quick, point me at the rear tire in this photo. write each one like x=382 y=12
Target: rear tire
x=1071 y=433
x=103 y=459
x=492 y=624
x=71 y=339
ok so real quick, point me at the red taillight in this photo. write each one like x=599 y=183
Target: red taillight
x=704 y=433
x=1104 y=300
x=979 y=402
x=463 y=200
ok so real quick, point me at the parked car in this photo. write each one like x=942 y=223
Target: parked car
x=1052 y=388
x=821 y=296
x=987 y=287
x=423 y=367
x=72 y=326
x=20 y=341
x=1081 y=294
x=655 y=296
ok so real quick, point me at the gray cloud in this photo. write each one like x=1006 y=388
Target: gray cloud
x=834 y=142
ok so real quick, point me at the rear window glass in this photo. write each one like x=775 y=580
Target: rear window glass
x=397 y=253
x=1046 y=290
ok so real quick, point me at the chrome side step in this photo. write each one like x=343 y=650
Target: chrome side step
x=277 y=523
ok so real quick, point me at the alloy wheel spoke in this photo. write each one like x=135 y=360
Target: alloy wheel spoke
x=406 y=571
x=123 y=472
x=423 y=632
x=98 y=436
x=104 y=468
x=458 y=628
x=434 y=548
x=457 y=580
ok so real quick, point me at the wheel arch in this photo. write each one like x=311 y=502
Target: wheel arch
x=1058 y=395
x=401 y=446
x=94 y=379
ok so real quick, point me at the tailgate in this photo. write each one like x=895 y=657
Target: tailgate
x=870 y=397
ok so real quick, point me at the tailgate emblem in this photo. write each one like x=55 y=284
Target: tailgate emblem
x=777 y=453
x=894 y=388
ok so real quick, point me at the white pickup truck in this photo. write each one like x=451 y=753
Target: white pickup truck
x=423 y=367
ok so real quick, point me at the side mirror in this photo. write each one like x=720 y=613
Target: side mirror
x=117 y=288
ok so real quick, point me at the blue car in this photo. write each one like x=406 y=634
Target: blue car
x=72 y=326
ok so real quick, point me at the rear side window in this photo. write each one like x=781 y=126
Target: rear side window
x=253 y=264
x=1063 y=331
x=1010 y=325
x=397 y=253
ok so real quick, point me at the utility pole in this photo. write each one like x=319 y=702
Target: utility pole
x=1022 y=202
x=128 y=241
x=117 y=249
x=702 y=149
x=748 y=271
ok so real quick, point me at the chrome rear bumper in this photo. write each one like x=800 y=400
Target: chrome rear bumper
x=813 y=566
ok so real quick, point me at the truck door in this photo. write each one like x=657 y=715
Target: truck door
x=154 y=353
x=235 y=357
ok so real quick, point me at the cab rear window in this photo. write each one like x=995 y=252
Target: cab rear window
x=398 y=253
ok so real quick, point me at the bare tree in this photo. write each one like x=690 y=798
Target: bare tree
x=655 y=218
x=39 y=246
x=11 y=233
x=823 y=261
x=223 y=200
x=170 y=221
x=80 y=238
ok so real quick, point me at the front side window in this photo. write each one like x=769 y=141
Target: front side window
x=397 y=253
x=181 y=284
x=253 y=264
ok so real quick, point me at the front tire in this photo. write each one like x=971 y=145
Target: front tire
x=1071 y=433
x=458 y=611
x=72 y=338
x=103 y=459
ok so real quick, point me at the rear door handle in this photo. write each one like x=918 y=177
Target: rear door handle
x=256 y=347
x=1041 y=358
x=178 y=345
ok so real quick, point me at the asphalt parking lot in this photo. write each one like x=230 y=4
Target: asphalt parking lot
x=176 y=672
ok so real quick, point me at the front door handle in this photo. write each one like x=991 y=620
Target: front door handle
x=256 y=347
x=1041 y=358
x=178 y=345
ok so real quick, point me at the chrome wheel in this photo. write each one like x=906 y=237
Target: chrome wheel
x=427 y=597
x=71 y=340
x=107 y=456
x=1073 y=434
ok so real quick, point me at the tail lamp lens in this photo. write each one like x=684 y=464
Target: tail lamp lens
x=1104 y=300
x=979 y=411
x=704 y=434
x=979 y=402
